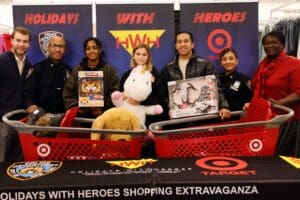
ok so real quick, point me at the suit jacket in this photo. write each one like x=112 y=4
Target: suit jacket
x=11 y=82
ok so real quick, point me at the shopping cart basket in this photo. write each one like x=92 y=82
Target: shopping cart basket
x=255 y=134
x=66 y=148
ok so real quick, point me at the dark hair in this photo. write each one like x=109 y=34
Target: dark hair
x=186 y=32
x=22 y=30
x=226 y=50
x=98 y=43
x=275 y=34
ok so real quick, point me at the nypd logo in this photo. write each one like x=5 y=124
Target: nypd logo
x=29 y=170
x=44 y=38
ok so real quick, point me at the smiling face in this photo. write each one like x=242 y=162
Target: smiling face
x=229 y=62
x=56 y=48
x=20 y=44
x=141 y=56
x=272 y=46
x=92 y=51
x=184 y=45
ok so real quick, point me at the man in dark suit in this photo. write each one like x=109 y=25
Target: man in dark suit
x=15 y=69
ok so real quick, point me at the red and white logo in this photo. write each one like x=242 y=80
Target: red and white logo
x=256 y=145
x=219 y=39
x=43 y=150
x=221 y=163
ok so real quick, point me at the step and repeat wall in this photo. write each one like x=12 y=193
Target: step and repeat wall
x=224 y=25
x=121 y=27
x=73 y=22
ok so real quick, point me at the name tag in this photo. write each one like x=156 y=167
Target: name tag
x=235 y=86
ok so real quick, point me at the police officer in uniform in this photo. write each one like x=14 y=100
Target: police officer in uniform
x=236 y=86
x=45 y=86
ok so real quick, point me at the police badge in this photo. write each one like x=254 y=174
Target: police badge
x=44 y=38
x=32 y=169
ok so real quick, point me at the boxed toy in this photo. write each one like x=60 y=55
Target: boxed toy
x=90 y=89
x=194 y=96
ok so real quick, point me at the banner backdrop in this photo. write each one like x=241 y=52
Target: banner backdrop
x=122 y=27
x=216 y=26
x=74 y=22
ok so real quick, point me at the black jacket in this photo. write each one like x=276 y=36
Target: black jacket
x=11 y=83
x=45 y=86
x=197 y=66
x=237 y=89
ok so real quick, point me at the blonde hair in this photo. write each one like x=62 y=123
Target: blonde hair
x=148 y=65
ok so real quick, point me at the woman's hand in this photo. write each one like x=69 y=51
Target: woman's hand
x=246 y=106
x=224 y=113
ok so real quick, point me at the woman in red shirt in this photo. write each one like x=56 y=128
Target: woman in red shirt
x=278 y=80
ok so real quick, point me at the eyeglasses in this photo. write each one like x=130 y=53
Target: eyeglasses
x=61 y=46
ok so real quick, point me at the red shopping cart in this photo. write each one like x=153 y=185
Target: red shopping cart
x=66 y=147
x=255 y=134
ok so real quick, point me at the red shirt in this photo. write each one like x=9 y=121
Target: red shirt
x=282 y=81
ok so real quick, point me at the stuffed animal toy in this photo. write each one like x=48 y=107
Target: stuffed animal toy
x=116 y=119
x=138 y=87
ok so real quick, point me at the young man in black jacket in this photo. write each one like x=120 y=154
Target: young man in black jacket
x=187 y=64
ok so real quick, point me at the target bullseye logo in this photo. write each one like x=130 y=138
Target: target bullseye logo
x=43 y=150
x=255 y=145
x=219 y=39
x=221 y=163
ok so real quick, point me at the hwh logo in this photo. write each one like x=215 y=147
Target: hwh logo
x=130 y=38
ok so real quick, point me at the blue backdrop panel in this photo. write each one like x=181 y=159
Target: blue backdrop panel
x=73 y=21
x=122 y=27
x=219 y=25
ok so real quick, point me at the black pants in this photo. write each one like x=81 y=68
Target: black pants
x=10 y=147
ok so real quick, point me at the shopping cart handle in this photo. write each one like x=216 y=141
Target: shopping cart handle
x=14 y=123
x=157 y=127
x=26 y=128
x=284 y=117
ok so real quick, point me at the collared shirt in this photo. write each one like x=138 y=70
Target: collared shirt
x=20 y=63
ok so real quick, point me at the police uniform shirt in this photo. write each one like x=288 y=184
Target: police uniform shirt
x=237 y=89
x=49 y=79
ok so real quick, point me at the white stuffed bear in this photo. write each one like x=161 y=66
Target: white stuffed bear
x=137 y=86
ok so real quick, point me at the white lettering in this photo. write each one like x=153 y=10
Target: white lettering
x=61 y=194
x=214 y=190
x=100 y=193
x=131 y=192
x=23 y=195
